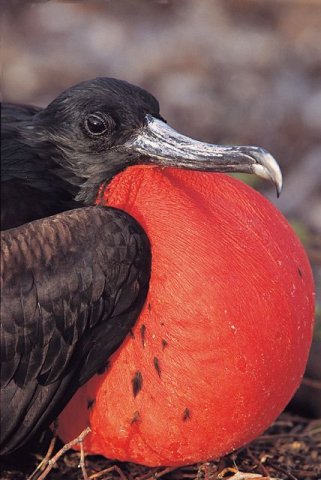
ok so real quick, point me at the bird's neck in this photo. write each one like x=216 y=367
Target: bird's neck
x=81 y=172
x=56 y=171
x=86 y=172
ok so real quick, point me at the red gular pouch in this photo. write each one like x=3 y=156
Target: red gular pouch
x=222 y=342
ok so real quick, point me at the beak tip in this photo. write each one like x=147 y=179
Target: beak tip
x=267 y=167
x=277 y=180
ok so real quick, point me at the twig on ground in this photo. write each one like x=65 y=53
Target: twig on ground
x=157 y=474
x=221 y=465
x=63 y=450
x=82 y=460
x=114 y=468
x=257 y=462
x=277 y=468
x=278 y=436
x=227 y=470
x=163 y=472
x=44 y=462
x=147 y=475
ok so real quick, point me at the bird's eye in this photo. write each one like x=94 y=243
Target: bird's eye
x=96 y=124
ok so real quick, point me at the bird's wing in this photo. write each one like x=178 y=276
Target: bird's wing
x=72 y=287
x=13 y=113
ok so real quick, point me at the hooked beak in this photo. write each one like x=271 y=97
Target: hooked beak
x=163 y=146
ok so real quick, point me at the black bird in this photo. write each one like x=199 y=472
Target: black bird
x=73 y=284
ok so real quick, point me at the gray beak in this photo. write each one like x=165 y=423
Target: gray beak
x=163 y=146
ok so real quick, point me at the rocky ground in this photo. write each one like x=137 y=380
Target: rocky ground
x=229 y=71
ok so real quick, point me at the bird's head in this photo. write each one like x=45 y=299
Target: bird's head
x=99 y=127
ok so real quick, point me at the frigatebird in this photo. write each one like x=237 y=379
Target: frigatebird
x=74 y=279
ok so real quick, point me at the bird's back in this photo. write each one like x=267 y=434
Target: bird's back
x=29 y=187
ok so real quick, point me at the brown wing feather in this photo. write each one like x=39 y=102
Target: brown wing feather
x=72 y=287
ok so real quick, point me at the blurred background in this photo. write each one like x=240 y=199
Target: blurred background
x=225 y=71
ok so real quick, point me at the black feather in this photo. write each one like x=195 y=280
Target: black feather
x=60 y=324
